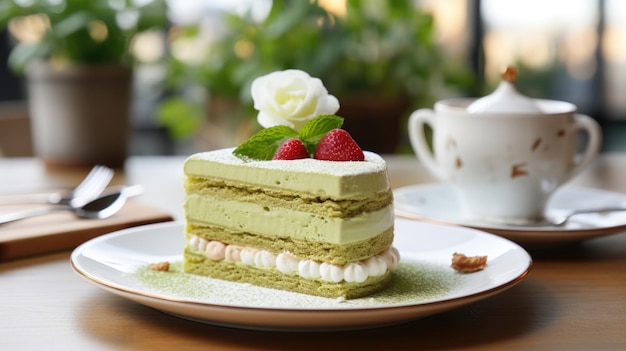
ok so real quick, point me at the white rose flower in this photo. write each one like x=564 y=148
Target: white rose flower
x=290 y=98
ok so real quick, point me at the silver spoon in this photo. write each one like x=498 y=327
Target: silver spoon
x=109 y=203
x=561 y=220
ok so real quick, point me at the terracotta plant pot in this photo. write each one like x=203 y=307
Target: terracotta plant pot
x=80 y=115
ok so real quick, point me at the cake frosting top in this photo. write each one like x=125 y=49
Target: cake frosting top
x=332 y=179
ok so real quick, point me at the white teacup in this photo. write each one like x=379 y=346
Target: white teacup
x=504 y=166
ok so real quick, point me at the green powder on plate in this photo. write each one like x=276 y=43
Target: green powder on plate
x=413 y=282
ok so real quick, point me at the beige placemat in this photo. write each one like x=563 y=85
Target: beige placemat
x=64 y=231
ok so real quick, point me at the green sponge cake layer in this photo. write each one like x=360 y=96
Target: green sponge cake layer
x=325 y=179
x=301 y=247
x=227 y=190
x=316 y=227
x=264 y=219
x=286 y=272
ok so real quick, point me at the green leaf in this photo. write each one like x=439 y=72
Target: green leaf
x=314 y=130
x=23 y=53
x=72 y=24
x=180 y=116
x=263 y=145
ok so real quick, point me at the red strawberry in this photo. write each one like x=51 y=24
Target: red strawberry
x=292 y=149
x=338 y=145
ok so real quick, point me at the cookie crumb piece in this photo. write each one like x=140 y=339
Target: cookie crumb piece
x=468 y=264
x=160 y=266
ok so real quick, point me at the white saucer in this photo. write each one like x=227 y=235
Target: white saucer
x=424 y=283
x=437 y=202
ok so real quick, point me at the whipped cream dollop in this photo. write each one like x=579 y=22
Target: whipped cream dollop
x=289 y=264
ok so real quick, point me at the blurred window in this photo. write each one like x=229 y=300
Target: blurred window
x=573 y=50
x=614 y=56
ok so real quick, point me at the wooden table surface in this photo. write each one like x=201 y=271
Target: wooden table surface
x=573 y=299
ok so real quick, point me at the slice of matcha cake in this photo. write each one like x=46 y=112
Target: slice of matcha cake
x=311 y=226
x=297 y=207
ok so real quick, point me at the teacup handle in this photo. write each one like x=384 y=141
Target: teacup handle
x=594 y=133
x=417 y=120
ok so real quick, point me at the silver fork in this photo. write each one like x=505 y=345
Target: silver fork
x=89 y=188
x=93 y=184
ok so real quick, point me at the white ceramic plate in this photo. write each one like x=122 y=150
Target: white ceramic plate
x=438 y=203
x=424 y=284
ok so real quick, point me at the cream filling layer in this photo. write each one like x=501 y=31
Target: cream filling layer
x=282 y=222
x=337 y=180
x=289 y=264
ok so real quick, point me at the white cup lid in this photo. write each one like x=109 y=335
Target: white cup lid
x=505 y=99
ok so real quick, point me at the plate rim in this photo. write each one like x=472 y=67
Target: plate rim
x=408 y=309
x=521 y=234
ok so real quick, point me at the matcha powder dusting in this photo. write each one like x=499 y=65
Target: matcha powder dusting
x=413 y=282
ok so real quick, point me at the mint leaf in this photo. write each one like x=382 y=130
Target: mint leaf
x=263 y=145
x=314 y=130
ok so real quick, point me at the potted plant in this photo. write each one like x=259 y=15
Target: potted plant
x=379 y=58
x=78 y=66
